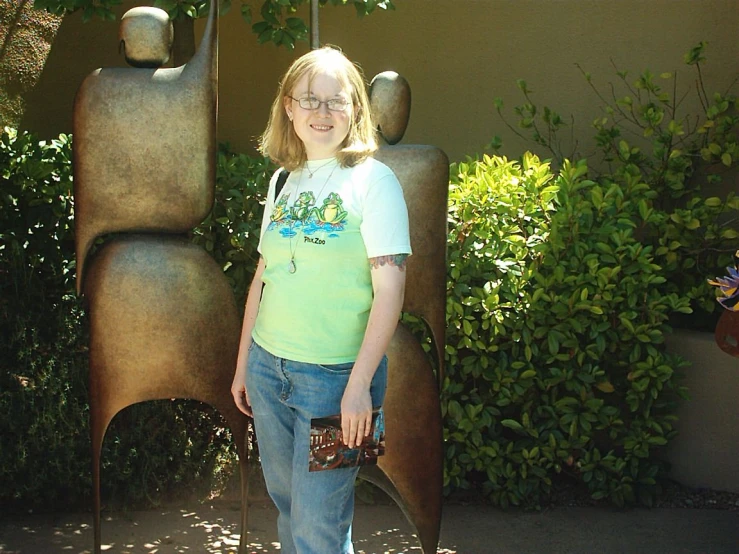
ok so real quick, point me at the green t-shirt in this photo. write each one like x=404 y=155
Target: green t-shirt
x=329 y=224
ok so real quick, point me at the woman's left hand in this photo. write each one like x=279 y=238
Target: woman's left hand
x=356 y=414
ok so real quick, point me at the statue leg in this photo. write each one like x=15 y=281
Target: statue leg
x=411 y=470
x=97 y=432
x=239 y=425
x=100 y=417
x=101 y=414
x=244 y=474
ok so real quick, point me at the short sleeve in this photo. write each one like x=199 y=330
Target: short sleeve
x=384 y=226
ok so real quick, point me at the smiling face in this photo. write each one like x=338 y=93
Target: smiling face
x=321 y=131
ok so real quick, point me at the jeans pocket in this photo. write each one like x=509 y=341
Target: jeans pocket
x=337 y=369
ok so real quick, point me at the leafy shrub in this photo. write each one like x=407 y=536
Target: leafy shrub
x=231 y=232
x=42 y=362
x=151 y=449
x=37 y=249
x=677 y=155
x=554 y=307
x=561 y=288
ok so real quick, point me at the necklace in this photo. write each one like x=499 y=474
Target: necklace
x=291 y=266
x=312 y=173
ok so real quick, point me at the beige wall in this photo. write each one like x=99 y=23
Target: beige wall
x=457 y=54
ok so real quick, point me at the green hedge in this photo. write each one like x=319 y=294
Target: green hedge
x=562 y=287
x=557 y=314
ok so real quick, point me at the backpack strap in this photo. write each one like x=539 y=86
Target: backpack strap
x=281 y=178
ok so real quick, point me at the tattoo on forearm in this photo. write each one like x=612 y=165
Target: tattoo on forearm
x=397 y=260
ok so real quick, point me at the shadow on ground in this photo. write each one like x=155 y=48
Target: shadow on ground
x=201 y=530
x=381 y=529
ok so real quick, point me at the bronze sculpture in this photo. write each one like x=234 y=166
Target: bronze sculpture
x=411 y=472
x=163 y=320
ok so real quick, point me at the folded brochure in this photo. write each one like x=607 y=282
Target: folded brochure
x=327 y=448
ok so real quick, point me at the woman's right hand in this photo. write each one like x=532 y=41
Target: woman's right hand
x=240 y=394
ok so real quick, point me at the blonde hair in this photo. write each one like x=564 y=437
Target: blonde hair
x=279 y=140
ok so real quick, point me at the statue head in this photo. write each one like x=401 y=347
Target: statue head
x=146 y=36
x=390 y=98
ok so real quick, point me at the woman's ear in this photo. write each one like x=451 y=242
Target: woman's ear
x=287 y=103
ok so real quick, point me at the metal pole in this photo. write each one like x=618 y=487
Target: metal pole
x=315 y=43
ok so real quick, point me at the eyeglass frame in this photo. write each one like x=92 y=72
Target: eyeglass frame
x=300 y=101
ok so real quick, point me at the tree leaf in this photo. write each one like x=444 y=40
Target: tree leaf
x=512 y=424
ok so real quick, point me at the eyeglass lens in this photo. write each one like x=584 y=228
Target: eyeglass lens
x=313 y=103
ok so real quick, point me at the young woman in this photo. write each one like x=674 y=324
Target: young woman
x=326 y=295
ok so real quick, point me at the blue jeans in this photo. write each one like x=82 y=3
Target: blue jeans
x=315 y=508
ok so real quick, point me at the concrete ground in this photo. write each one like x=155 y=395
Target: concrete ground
x=466 y=529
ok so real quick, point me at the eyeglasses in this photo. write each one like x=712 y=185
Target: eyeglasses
x=313 y=103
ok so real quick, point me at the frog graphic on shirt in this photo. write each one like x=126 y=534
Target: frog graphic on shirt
x=280 y=213
x=303 y=207
x=332 y=211
x=307 y=218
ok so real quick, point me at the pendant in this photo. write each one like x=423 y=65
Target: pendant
x=291 y=266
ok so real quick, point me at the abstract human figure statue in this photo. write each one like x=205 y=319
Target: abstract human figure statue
x=145 y=137
x=163 y=320
x=411 y=470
